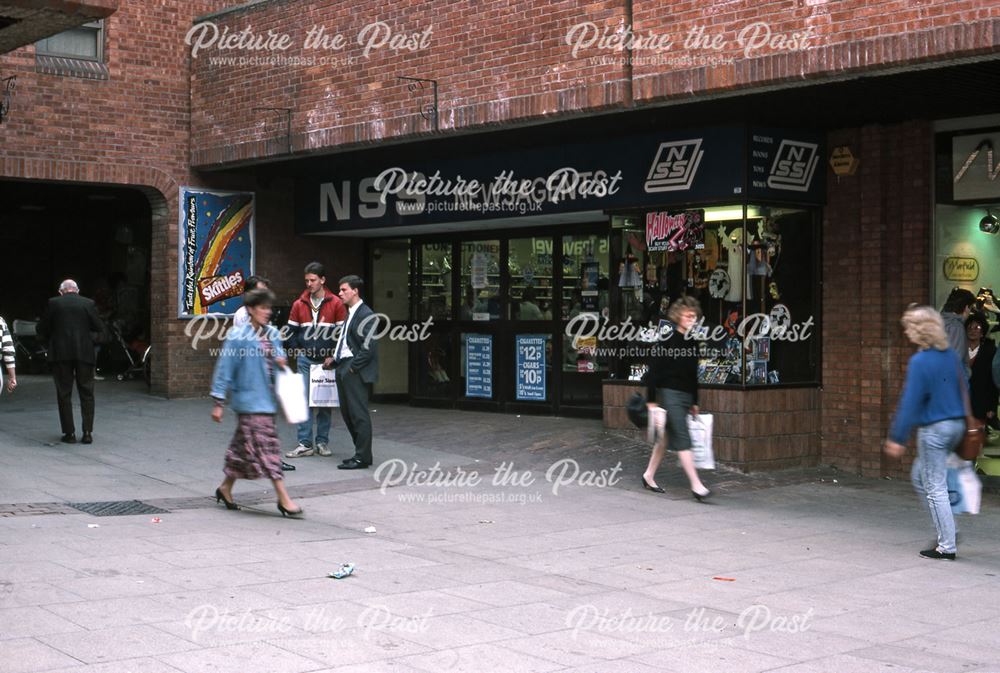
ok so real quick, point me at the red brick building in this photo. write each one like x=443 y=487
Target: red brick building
x=301 y=102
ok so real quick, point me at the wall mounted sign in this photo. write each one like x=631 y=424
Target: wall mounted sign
x=216 y=250
x=975 y=163
x=530 y=367
x=843 y=161
x=963 y=269
x=479 y=365
x=613 y=172
x=783 y=164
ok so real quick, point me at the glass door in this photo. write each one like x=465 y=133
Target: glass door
x=483 y=305
x=534 y=299
x=584 y=276
x=433 y=371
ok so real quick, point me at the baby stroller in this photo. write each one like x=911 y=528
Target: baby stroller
x=123 y=359
x=31 y=353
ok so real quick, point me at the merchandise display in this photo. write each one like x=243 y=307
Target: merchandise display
x=753 y=278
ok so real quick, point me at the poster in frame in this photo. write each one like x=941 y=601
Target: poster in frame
x=216 y=250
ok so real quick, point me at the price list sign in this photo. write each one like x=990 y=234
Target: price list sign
x=479 y=365
x=530 y=367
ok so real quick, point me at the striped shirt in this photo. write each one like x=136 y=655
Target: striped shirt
x=6 y=345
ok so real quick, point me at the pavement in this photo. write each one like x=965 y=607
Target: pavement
x=500 y=543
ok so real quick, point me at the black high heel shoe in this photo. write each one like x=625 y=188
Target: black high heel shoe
x=294 y=513
x=654 y=489
x=221 y=498
x=701 y=497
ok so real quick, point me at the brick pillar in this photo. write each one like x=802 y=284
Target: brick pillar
x=876 y=260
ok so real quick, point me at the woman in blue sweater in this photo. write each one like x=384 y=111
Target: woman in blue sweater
x=245 y=373
x=932 y=403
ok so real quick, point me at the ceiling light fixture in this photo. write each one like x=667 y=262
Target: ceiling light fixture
x=989 y=224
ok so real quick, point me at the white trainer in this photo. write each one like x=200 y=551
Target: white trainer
x=322 y=450
x=300 y=451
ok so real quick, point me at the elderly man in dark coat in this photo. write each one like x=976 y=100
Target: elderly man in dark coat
x=71 y=327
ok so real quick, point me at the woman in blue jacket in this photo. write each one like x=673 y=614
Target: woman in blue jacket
x=931 y=402
x=244 y=372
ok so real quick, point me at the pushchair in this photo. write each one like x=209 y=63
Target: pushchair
x=30 y=351
x=123 y=359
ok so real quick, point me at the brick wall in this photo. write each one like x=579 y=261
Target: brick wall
x=876 y=257
x=751 y=430
x=506 y=62
x=132 y=129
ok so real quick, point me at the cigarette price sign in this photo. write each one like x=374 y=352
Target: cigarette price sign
x=530 y=367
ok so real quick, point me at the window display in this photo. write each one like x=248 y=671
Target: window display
x=585 y=293
x=531 y=286
x=435 y=281
x=754 y=272
x=481 y=280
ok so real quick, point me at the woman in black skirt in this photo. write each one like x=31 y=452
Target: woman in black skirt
x=672 y=381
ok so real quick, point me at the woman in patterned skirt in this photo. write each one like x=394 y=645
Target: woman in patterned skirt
x=245 y=373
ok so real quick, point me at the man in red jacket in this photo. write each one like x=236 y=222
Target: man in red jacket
x=312 y=324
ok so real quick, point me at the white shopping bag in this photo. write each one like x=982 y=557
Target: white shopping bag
x=657 y=424
x=700 y=429
x=965 y=491
x=322 y=387
x=292 y=395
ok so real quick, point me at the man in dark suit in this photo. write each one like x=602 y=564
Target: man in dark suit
x=71 y=327
x=356 y=360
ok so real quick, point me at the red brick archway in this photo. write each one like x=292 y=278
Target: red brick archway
x=161 y=190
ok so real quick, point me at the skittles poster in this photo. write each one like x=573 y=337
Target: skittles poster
x=216 y=250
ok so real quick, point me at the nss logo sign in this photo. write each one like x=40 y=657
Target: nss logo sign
x=674 y=166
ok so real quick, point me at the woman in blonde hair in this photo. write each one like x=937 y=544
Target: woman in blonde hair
x=932 y=402
x=672 y=381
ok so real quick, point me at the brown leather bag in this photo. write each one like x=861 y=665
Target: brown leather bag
x=975 y=430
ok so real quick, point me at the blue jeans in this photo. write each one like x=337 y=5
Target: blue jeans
x=321 y=414
x=930 y=475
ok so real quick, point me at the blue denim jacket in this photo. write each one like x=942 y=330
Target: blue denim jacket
x=241 y=371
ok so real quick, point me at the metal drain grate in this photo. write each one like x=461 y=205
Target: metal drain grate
x=116 y=508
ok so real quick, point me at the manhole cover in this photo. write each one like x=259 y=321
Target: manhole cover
x=116 y=508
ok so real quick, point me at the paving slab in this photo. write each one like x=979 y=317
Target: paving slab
x=495 y=576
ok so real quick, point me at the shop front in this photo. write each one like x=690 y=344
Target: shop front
x=533 y=271
x=966 y=241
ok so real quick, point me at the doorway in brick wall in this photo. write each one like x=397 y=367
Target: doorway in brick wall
x=98 y=235
x=389 y=295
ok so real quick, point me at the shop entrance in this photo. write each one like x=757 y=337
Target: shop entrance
x=496 y=306
x=97 y=235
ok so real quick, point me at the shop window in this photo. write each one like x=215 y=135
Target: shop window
x=435 y=282
x=434 y=370
x=584 y=276
x=966 y=243
x=531 y=282
x=584 y=303
x=754 y=271
x=967 y=216
x=480 y=280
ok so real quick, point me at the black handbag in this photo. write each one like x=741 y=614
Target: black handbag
x=637 y=411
